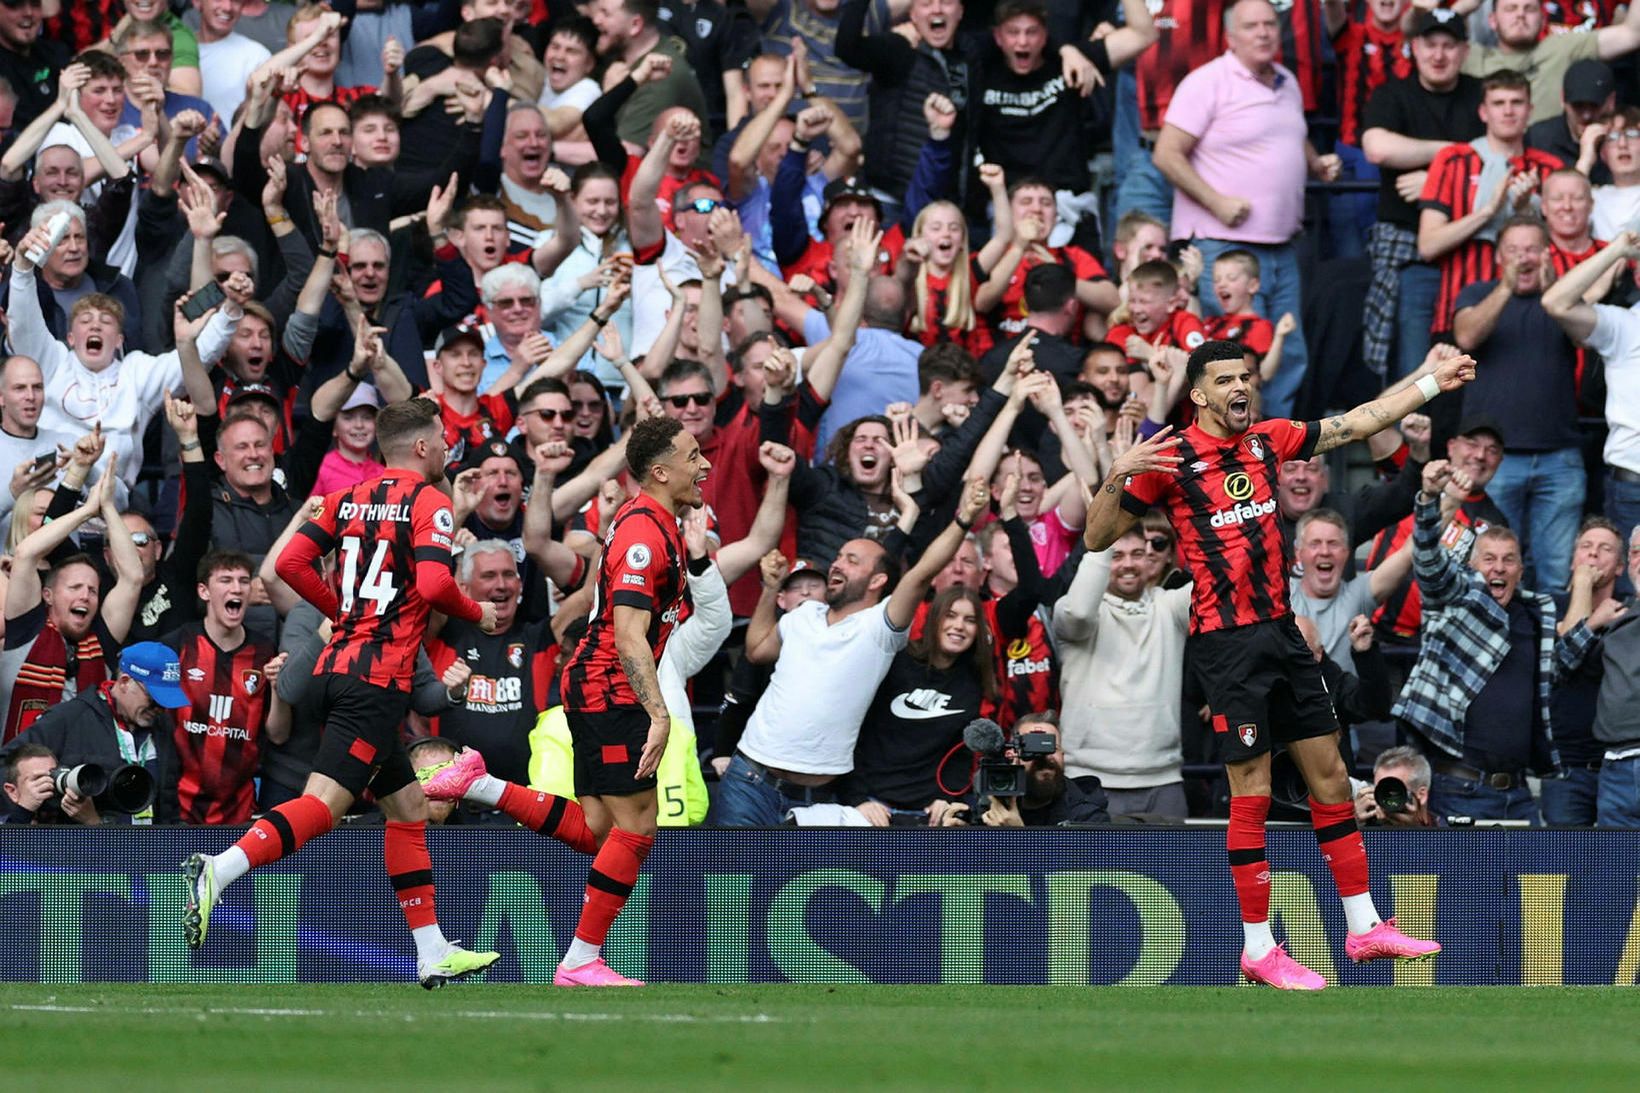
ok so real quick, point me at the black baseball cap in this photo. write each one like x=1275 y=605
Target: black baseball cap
x=212 y=165
x=491 y=449
x=452 y=334
x=1442 y=20
x=1481 y=423
x=1588 y=81
x=847 y=188
x=247 y=391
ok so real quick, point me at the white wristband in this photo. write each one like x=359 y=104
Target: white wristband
x=1430 y=387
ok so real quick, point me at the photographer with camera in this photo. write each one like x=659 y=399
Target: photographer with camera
x=1399 y=793
x=119 y=733
x=1039 y=794
x=38 y=791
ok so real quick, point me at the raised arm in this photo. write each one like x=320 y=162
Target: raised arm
x=119 y=606
x=824 y=363
x=1386 y=410
x=1565 y=301
x=643 y=216
x=763 y=631
x=1107 y=521
x=15 y=163
x=735 y=560
x=1136 y=34
x=902 y=604
x=23 y=591
x=743 y=155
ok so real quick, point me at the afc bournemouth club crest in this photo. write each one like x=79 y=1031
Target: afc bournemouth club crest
x=515 y=654
x=251 y=680
x=1256 y=448
x=1248 y=734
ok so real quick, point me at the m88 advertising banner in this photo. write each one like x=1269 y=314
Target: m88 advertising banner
x=1107 y=906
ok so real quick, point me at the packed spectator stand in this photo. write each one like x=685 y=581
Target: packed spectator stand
x=891 y=262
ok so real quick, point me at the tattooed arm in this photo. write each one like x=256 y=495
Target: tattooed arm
x=638 y=662
x=1387 y=409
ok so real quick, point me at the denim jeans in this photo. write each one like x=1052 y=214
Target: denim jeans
x=1279 y=292
x=745 y=798
x=1623 y=509
x=1414 y=314
x=1619 y=793
x=1570 y=801
x=1449 y=796
x=1351 y=216
x=1542 y=495
x=1139 y=185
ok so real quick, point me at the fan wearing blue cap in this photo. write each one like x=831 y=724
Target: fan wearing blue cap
x=120 y=723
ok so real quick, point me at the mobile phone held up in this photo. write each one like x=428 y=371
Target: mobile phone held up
x=202 y=301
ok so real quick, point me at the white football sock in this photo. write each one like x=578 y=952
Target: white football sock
x=1258 y=940
x=485 y=790
x=581 y=953
x=1360 y=913
x=430 y=942
x=229 y=866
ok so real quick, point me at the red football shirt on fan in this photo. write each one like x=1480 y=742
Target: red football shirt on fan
x=1454 y=177
x=392 y=536
x=642 y=568
x=489 y=421
x=1222 y=503
x=219 y=733
x=1367 y=57
x=976 y=341
x=1248 y=330
x=1008 y=317
x=1182 y=331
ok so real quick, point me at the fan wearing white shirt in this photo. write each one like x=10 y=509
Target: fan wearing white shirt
x=829 y=659
x=87 y=379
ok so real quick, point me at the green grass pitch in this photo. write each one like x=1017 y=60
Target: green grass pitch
x=673 y=1037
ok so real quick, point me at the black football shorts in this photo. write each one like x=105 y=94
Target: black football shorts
x=1263 y=687
x=361 y=744
x=608 y=745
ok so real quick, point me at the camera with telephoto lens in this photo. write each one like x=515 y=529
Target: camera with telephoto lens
x=1392 y=796
x=84 y=780
x=1002 y=762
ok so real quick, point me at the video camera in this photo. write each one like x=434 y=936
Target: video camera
x=129 y=789
x=1002 y=762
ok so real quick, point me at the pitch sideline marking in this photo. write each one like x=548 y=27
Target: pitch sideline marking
x=485 y=1015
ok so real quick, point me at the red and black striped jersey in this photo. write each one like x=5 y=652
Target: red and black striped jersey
x=1454 y=178
x=84 y=23
x=1563 y=260
x=1191 y=34
x=491 y=420
x=1367 y=57
x=1566 y=16
x=1301 y=47
x=301 y=101
x=219 y=733
x=1222 y=503
x=1252 y=332
x=382 y=531
x=1402 y=610
x=643 y=568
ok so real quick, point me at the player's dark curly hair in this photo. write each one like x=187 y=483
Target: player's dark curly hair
x=649 y=442
x=1209 y=353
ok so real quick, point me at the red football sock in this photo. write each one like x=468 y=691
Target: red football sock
x=1341 y=846
x=404 y=849
x=1248 y=868
x=556 y=817
x=282 y=831
x=614 y=871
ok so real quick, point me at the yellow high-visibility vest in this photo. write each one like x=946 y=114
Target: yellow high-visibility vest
x=680 y=792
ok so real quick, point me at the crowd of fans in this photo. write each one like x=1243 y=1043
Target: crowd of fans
x=890 y=262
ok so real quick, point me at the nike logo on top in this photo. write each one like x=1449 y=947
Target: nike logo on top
x=921 y=704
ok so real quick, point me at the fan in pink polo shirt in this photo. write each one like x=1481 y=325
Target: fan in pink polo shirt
x=1235 y=147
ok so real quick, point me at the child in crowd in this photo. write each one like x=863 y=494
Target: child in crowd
x=1235 y=283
